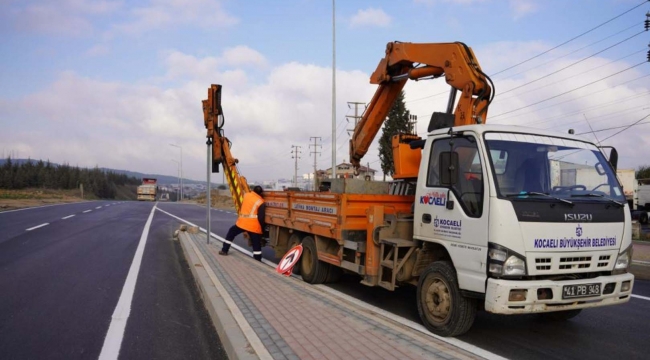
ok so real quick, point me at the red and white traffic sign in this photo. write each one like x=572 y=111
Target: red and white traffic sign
x=289 y=260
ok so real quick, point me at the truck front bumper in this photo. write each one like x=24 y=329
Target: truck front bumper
x=498 y=298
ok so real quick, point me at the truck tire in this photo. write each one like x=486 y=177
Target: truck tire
x=442 y=308
x=312 y=270
x=333 y=274
x=560 y=315
x=294 y=240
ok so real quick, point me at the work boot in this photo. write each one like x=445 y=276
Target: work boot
x=221 y=252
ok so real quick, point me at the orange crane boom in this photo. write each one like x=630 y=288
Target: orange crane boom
x=404 y=61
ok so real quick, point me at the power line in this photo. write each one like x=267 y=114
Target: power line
x=572 y=76
x=572 y=52
x=572 y=90
x=570 y=65
x=613 y=128
x=602 y=117
x=629 y=126
x=578 y=98
x=570 y=40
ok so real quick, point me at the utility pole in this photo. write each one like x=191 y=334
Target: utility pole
x=356 y=116
x=333 y=89
x=315 y=145
x=295 y=154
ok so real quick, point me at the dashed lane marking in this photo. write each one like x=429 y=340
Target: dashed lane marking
x=37 y=226
x=99 y=207
x=87 y=211
x=67 y=217
x=641 y=297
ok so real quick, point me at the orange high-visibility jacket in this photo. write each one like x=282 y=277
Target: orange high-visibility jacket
x=248 y=214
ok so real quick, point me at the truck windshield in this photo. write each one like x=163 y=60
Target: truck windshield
x=562 y=168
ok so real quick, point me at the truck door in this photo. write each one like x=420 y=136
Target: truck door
x=455 y=214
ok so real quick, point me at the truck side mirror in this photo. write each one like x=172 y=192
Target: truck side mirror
x=448 y=168
x=613 y=155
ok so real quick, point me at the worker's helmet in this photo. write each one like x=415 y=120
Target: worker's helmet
x=258 y=190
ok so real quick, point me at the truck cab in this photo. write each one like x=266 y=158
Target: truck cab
x=533 y=221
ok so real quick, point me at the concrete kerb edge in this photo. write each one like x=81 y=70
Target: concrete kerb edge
x=230 y=333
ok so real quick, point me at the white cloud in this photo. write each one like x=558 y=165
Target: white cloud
x=460 y=2
x=164 y=13
x=370 y=17
x=91 y=122
x=181 y=65
x=522 y=8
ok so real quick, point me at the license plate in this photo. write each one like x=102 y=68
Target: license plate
x=579 y=291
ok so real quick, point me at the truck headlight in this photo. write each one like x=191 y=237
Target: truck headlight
x=505 y=262
x=514 y=266
x=623 y=261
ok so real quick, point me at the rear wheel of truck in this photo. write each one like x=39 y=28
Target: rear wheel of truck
x=560 y=315
x=443 y=310
x=312 y=270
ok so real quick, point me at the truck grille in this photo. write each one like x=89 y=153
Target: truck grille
x=560 y=263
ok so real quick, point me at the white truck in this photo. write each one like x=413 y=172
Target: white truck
x=479 y=215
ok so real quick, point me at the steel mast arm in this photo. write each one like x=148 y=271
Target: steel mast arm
x=213 y=119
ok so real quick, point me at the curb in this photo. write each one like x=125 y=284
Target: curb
x=232 y=337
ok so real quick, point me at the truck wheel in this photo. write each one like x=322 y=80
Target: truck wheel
x=294 y=240
x=313 y=271
x=560 y=315
x=334 y=274
x=443 y=310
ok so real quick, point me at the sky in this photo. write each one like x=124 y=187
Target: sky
x=113 y=83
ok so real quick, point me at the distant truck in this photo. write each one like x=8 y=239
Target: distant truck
x=148 y=190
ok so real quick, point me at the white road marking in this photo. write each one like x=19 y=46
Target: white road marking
x=99 y=207
x=67 y=217
x=642 y=263
x=640 y=297
x=37 y=226
x=87 y=211
x=113 y=340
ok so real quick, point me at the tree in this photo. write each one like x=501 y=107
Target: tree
x=643 y=172
x=397 y=122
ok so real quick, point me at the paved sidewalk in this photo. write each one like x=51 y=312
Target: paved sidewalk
x=260 y=314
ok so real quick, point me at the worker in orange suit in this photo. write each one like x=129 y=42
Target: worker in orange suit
x=251 y=220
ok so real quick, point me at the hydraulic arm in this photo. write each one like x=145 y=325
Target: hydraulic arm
x=405 y=61
x=214 y=120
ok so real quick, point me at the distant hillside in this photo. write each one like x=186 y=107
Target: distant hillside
x=162 y=179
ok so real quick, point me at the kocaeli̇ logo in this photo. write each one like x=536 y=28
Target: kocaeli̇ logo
x=434 y=198
x=579 y=231
x=436 y=222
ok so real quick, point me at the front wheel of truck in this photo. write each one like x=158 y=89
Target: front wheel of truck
x=312 y=270
x=442 y=308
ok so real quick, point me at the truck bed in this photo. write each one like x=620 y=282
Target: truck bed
x=328 y=214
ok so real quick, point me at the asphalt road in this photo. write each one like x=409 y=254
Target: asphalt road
x=61 y=282
x=615 y=332
x=63 y=269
